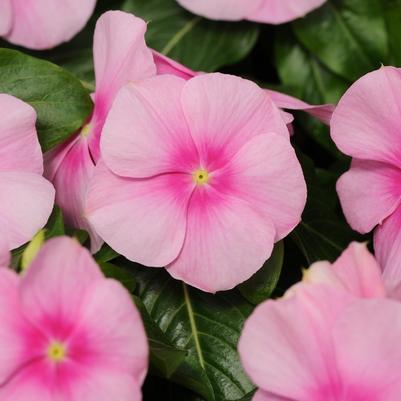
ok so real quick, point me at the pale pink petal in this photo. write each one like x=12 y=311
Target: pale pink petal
x=261 y=395
x=366 y=122
x=166 y=65
x=281 y=11
x=387 y=243
x=146 y=133
x=5 y=256
x=26 y=202
x=224 y=112
x=231 y=10
x=369 y=192
x=43 y=24
x=220 y=250
x=142 y=219
x=120 y=56
x=267 y=174
x=19 y=145
x=117 y=341
x=367 y=339
x=321 y=112
x=69 y=167
x=6 y=17
x=54 y=287
x=285 y=347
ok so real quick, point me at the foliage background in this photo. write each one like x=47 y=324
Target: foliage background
x=193 y=335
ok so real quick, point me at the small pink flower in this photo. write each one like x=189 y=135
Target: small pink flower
x=67 y=333
x=43 y=24
x=26 y=198
x=266 y=11
x=366 y=126
x=120 y=56
x=334 y=336
x=198 y=176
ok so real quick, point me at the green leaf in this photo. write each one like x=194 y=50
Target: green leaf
x=262 y=284
x=206 y=326
x=60 y=100
x=124 y=276
x=348 y=36
x=106 y=254
x=55 y=225
x=392 y=13
x=196 y=42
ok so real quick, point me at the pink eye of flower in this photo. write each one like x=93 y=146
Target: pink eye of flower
x=201 y=176
x=56 y=352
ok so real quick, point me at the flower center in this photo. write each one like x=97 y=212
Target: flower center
x=56 y=352
x=85 y=131
x=201 y=177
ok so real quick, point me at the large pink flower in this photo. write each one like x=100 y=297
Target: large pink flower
x=26 y=198
x=198 y=176
x=43 y=24
x=267 y=11
x=120 y=56
x=334 y=336
x=67 y=333
x=366 y=126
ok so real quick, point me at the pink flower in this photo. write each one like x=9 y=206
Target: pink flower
x=366 y=126
x=67 y=333
x=26 y=198
x=120 y=56
x=267 y=11
x=198 y=176
x=335 y=336
x=43 y=24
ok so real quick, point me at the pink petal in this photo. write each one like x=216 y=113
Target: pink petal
x=26 y=202
x=121 y=56
x=321 y=112
x=369 y=192
x=146 y=132
x=144 y=220
x=387 y=243
x=6 y=17
x=116 y=342
x=69 y=167
x=267 y=174
x=19 y=145
x=286 y=341
x=261 y=395
x=220 y=251
x=224 y=112
x=367 y=347
x=54 y=287
x=281 y=11
x=232 y=10
x=43 y=24
x=5 y=256
x=166 y=65
x=365 y=123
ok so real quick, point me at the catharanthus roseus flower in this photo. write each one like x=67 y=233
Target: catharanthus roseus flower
x=26 y=198
x=334 y=336
x=366 y=126
x=43 y=24
x=198 y=176
x=267 y=11
x=120 y=56
x=67 y=332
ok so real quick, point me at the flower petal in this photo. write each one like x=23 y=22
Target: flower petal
x=224 y=112
x=120 y=56
x=261 y=395
x=369 y=192
x=146 y=133
x=365 y=123
x=26 y=202
x=144 y=219
x=220 y=249
x=5 y=256
x=43 y=24
x=267 y=174
x=6 y=17
x=166 y=65
x=19 y=145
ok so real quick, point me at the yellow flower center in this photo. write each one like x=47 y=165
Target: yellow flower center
x=85 y=131
x=201 y=177
x=56 y=352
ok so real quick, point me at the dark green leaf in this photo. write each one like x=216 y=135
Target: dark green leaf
x=262 y=284
x=55 y=226
x=124 y=276
x=60 y=100
x=196 y=42
x=392 y=12
x=106 y=254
